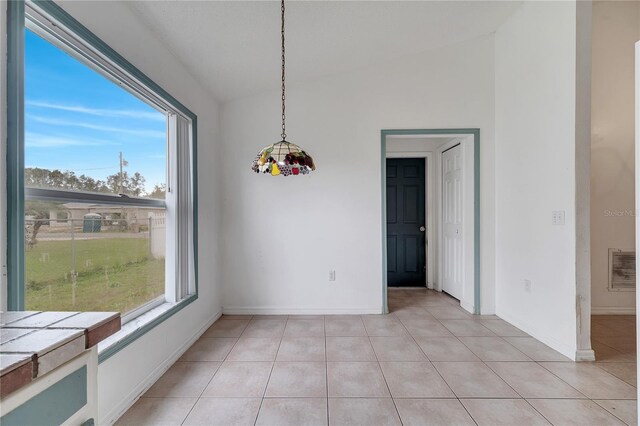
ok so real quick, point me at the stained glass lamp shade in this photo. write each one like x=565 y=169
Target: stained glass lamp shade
x=283 y=158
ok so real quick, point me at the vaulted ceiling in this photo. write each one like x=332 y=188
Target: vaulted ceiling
x=232 y=47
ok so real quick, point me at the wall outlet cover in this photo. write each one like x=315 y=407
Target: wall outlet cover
x=558 y=217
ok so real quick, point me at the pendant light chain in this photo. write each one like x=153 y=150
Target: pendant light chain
x=284 y=133
x=283 y=158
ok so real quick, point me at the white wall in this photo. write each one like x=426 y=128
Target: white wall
x=429 y=143
x=616 y=28
x=124 y=375
x=535 y=56
x=283 y=235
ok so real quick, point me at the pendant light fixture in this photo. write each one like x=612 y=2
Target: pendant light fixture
x=283 y=158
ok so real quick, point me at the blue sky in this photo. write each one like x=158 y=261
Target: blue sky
x=78 y=120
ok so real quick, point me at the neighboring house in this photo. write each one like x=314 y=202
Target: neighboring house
x=133 y=216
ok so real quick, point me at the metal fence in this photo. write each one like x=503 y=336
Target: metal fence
x=67 y=251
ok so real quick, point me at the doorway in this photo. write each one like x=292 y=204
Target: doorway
x=406 y=222
x=463 y=235
x=606 y=245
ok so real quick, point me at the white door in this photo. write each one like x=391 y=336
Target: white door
x=452 y=221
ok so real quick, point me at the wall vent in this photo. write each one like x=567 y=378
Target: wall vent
x=622 y=269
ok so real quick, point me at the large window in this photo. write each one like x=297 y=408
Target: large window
x=105 y=179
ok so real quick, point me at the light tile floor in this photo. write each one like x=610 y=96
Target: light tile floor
x=427 y=363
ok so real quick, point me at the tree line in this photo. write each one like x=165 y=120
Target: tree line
x=117 y=183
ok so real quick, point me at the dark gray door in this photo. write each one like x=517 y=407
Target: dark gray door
x=405 y=222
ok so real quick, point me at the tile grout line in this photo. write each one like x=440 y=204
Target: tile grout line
x=429 y=360
x=326 y=363
x=467 y=411
x=538 y=411
x=482 y=361
x=264 y=393
x=437 y=372
x=561 y=379
x=382 y=373
x=528 y=358
x=485 y=364
x=577 y=390
x=597 y=364
x=610 y=412
x=215 y=372
x=586 y=398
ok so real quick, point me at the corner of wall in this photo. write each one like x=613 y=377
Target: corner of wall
x=535 y=122
x=105 y=372
x=583 y=179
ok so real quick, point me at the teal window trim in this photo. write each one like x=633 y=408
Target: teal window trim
x=476 y=211
x=15 y=153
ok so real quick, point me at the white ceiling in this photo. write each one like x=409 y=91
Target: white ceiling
x=232 y=47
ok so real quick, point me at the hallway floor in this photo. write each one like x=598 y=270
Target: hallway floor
x=427 y=363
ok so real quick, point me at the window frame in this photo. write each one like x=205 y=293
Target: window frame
x=88 y=48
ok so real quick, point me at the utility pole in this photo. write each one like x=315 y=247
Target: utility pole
x=121 y=180
x=123 y=163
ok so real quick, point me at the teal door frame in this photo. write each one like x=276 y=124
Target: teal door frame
x=476 y=204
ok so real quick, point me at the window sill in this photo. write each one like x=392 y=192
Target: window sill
x=139 y=326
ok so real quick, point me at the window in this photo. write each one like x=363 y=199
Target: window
x=103 y=215
x=85 y=134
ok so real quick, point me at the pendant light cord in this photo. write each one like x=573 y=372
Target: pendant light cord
x=284 y=133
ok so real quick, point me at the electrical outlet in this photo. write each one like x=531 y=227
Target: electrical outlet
x=527 y=286
x=332 y=275
x=557 y=217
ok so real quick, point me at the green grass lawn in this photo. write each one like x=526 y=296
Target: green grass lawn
x=115 y=274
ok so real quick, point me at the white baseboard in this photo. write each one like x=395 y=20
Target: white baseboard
x=248 y=310
x=415 y=287
x=467 y=306
x=144 y=385
x=562 y=347
x=585 y=355
x=613 y=310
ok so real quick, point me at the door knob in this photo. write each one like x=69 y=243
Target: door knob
x=422 y=229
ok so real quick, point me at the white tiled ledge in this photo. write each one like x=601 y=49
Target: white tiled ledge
x=134 y=325
x=33 y=344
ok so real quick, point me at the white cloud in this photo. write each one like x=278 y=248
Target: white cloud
x=59 y=122
x=102 y=112
x=37 y=140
